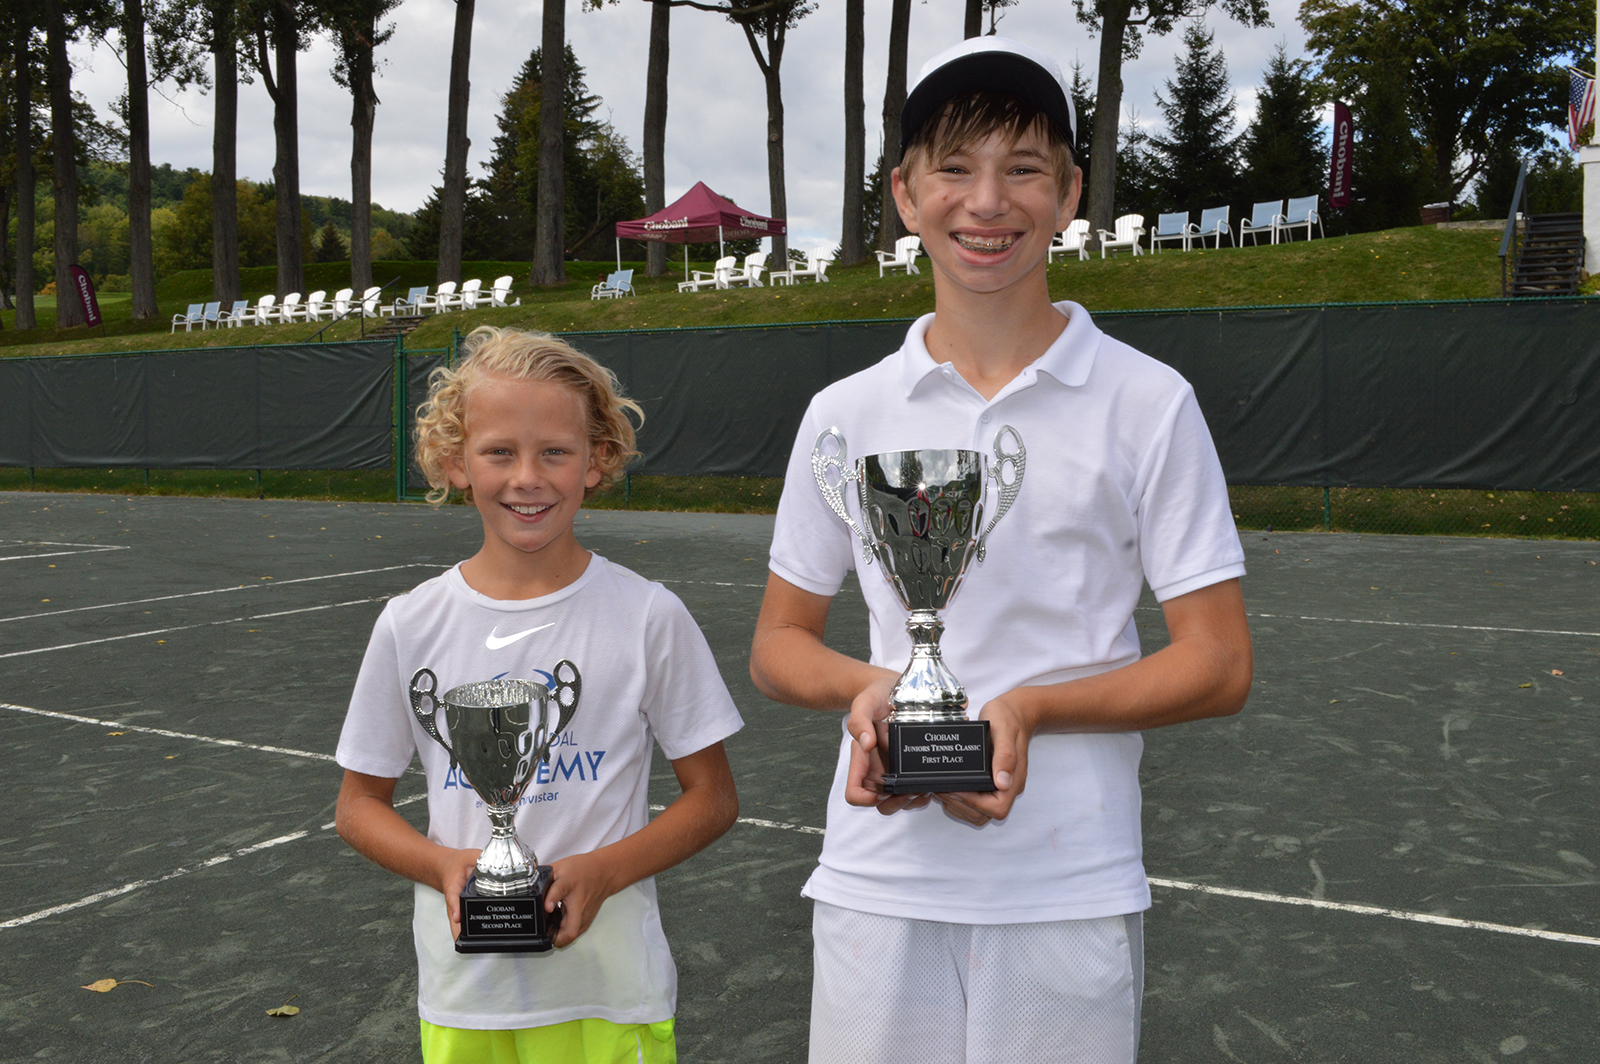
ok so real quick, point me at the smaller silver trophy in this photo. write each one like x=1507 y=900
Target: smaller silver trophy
x=921 y=512
x=498 y=734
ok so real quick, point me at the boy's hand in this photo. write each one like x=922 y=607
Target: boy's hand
x=1010 y=729
x=578 y=886
x=454 y=869
x=863 y=782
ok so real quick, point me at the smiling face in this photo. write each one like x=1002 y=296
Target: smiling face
x=528 y=460
x=987 y=210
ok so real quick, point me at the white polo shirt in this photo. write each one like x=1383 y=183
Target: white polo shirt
x=1122 y=487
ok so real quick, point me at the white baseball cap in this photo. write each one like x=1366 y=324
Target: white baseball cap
x=989 y=64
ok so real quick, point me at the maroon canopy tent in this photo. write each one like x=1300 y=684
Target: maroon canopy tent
x=698 y=216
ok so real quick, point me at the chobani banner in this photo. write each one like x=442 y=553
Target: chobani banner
x=1341 y=165
x=85 y=289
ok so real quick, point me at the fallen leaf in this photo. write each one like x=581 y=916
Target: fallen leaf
x=1520 y=685
x=1557 y=672
x=286 y=1010
x=103 y=986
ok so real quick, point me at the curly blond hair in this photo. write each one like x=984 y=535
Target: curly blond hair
x=514 y=354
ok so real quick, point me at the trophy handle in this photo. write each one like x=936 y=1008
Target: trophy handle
x=1016 y=461
x=425 y=704
x=831 y=463
x=565 y=692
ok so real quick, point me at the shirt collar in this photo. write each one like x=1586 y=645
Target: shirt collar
x=1068 y=360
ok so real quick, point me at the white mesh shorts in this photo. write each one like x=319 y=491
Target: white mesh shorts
x=888 y=990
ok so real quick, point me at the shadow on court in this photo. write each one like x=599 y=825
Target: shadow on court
x=1420 y=746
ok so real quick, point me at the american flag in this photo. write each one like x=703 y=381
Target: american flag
x=1580 y=106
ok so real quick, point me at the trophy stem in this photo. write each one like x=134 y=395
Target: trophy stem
x=928 y=692
x=505 y=866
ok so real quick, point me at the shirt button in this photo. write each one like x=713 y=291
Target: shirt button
x=984 y=419
x=948 y=374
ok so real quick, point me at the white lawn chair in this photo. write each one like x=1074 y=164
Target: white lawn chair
x=369 y=302
x=1073 y=239
x=502 y=291
x=750 y=273
x=467 y=298
x=316 y=306
x=1129 y=228
x=717 y=278
x=1174 y=226
x=291 y=309
x=267 y=309
x=195 y=315
x=210 y=316
x=234 y=316
x=616 y=284
x=816 y=267
x=407 y=307
x=437 y=301
x=904 y=256
x=1301 y=211
x=338 y=308
x=1264 y=218
x=1213 y=223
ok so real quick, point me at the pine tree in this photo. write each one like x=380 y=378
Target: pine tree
x=1195 y=164
x=330 y=246
x=1284 y=154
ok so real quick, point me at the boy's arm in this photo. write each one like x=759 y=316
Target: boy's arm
x=790 y=663
x=366 y=819
x=1205 y=671
x=707 y=807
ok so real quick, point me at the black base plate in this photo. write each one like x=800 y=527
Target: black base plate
x=514 y=923
x=938 y=758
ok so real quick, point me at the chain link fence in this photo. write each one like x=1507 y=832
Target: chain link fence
x=1418 y=511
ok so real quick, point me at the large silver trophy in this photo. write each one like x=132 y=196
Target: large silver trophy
x=921 y=516
x=497 y=733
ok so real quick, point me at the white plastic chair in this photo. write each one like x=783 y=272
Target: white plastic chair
x=195 y=315
x=904 y=256
x=502 y=291
x=1264 y=218
x=240 y=312
x=456 y=299
x=1073 y=239
x=1301 y=211
x=407 y=307
x=616 y=284
x=816 y=268
x=291 y=309
x=267 y=309
x=210 y=316
x=717 y=278
x=437 y=302
x=1129 y=228
x=1174 y=226
x=750 y=273
x=338 y=308
x=369 y=302
x=471 y=292
x=1213 y=223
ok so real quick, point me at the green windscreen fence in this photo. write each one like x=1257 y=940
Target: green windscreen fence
x=1491 y=394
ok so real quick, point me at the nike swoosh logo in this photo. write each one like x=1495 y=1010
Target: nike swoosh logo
x=495 y=642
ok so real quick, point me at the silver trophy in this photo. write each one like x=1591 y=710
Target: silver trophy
x=497 y=733
x=921 y=516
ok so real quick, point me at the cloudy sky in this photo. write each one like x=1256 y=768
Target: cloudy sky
x=716 y=122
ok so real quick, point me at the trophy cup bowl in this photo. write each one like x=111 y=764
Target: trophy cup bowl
x=922 y=519
x=497 y=733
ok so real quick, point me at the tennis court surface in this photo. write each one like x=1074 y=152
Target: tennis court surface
x=1390 y=855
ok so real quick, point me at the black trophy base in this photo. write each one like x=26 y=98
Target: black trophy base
x=938 y=758
x=515 y=923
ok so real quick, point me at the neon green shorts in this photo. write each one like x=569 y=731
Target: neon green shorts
x=573 y=1042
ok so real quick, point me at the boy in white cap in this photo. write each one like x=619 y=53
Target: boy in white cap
x=1006 y=926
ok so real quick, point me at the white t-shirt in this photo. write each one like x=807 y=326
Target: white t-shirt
x=647 y=674
x=1122 y=486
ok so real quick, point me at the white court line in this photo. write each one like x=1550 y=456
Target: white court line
x=86 y=548
x=128 y=888
x=220 y=591
x=163 y=732
x=1424 y=624
x=187 y=627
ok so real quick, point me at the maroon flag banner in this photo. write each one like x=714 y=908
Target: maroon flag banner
x=85 y=288
x=1341 y=165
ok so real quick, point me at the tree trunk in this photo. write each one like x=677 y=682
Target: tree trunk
x=852 y=238
x=655 y=131
x=364 y=104
x=141 y=262
x=1107 y=106
x=453 y=196
x=286 y=167
x=974 y=23
x=890 y=228
x=64 y=179
x=5 y=241
x=777 y=192
x=225 y=281
x=23 y=276
x=549 y=207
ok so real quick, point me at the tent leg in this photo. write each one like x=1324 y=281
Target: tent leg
x=619 y=254
x=720 y=252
